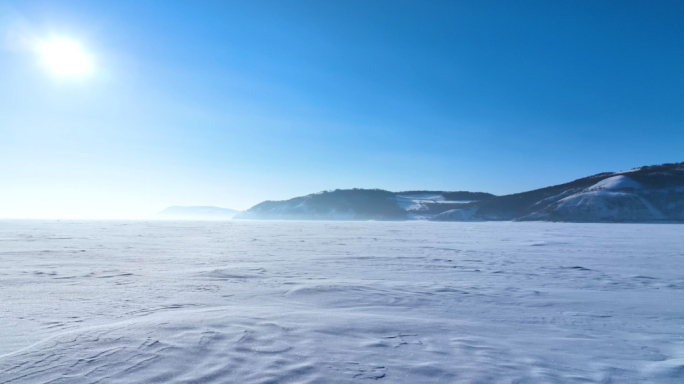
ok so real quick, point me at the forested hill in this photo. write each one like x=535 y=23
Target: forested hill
x=363 y=204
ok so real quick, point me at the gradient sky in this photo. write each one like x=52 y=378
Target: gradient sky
x=232 y=103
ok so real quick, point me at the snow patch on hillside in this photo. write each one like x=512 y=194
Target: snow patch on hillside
x=419 y=202
x=458 y=214
x=606 y=206
x=611 y=199
x=615 y=183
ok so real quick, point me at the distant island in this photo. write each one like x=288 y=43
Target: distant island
x=645 y=194
x=196 y=213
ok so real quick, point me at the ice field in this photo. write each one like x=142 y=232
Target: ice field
x=340 y=302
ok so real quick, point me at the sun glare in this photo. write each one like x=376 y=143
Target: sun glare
x=66 y=58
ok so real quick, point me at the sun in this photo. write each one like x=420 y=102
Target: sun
x=66 y=58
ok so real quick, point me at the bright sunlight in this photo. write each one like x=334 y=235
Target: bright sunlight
x=66 y=58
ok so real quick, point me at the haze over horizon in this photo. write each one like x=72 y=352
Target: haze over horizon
x=120 y=109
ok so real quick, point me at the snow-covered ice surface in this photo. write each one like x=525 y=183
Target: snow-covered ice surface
x=339 y=302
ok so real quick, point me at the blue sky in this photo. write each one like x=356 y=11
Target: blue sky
x=232 y=103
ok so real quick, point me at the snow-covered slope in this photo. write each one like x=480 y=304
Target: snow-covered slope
x=617 y=198
x=647 y=194
x=196 y=213
x=362 y=204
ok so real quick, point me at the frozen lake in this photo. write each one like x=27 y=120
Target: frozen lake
x=328 y=302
